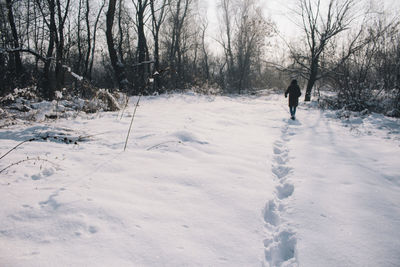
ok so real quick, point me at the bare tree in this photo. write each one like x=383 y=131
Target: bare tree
x=93 y=46
x=205 y=64
x=17 y=58
x=320 y=29
x=62 y=16
x=158 y=14
x=79 y=38
x=369 y=74
x=88 y=39
x=228 y=19
x=56 y=41
x=249 y=40
x=242 y=46
x=119 y=68
x=142 y=49
x=121 y=6
x=178 y=10
x=47 y=87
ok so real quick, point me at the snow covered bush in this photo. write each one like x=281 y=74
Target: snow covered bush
x=29 y=93
x=26 y=105
x=207 y=89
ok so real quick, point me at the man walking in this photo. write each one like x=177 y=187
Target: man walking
x=294 y=94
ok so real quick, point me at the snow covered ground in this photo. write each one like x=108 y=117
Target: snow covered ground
x=205 y=181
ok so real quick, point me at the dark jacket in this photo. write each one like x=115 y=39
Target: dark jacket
x=294 y=94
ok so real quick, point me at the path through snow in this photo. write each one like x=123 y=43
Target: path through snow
x=346 y=206
x=205 y=181
x=280 y=246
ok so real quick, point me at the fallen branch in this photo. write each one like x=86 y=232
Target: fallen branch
x=25 y=160
x=9 y=151
x=133 y=117
x=163 y=143
x=46 y=137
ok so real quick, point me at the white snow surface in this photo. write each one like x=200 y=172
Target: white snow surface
x=204 y=181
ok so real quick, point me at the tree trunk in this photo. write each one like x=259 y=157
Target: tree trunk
x=121 y=33
x=156 y=24
x=119 y=72
x=79 y=43
x=311 y=80
x=142 y=45
x=89 y=41
x=60 y=45
x=206 y=68
x=17 y=57
x=46 y=83
x=94 y=40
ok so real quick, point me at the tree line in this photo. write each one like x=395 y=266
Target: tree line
x=127 y=43
x=149 y=46
x=352 y=48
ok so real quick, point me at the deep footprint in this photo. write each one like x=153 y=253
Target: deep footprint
x=278 y=143
x=285 y=191
x=281 y=249
x=281 y=171
x=271 y=214
x=279 y=150
x=281 y=159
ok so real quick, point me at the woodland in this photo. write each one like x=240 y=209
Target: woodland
x=346 y=56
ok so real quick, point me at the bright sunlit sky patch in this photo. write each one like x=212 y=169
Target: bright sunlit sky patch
x=281 y=12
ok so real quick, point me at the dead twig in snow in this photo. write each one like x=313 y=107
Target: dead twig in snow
x=28 y=159
x=21 y=143
x=133 y=117
x=163 y=143
x=64 y=139
x=126 y=104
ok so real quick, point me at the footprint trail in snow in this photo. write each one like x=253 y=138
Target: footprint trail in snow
x=280 y=244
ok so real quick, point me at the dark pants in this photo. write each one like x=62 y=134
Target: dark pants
x=292 y=110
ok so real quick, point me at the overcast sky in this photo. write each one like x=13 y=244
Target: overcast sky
x=281 y=13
